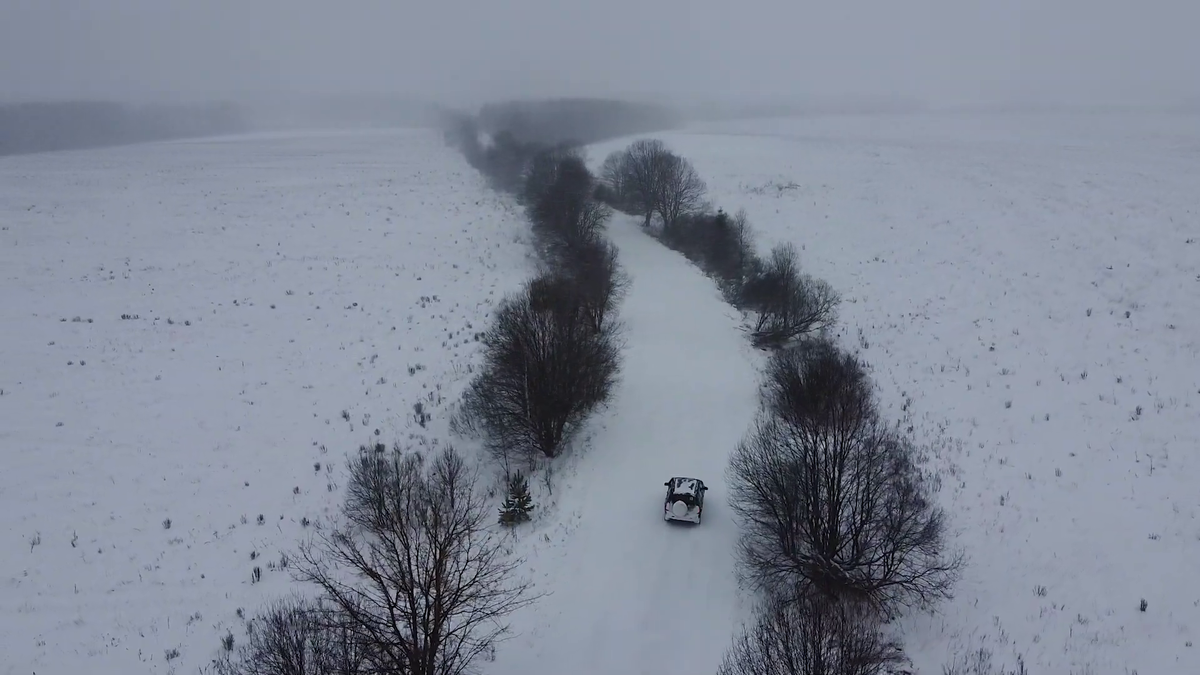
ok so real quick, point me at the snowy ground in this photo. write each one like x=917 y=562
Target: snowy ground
x=988 y=262
x=273 y=283
x=1032 y=284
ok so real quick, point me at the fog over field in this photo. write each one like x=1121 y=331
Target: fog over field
x=1022 y=52
x=365 y=338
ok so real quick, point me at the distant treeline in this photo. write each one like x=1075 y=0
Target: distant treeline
x=72 y=125
x=573 y=120
x=41 y=127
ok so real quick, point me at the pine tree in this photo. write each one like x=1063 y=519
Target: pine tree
x=519 y=503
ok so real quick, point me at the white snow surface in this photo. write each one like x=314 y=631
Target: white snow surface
x=394 y=251
x=969 y=250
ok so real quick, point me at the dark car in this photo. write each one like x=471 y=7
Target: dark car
x=685 y=499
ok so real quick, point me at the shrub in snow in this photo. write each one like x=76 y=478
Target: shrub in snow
x=298 y=636
x=546 y=369
x=563 y=212
x=789 y=305
x=720 y=245
x=518 y=503
x=613 y=186
x=546 y=167
x=594 y=275
x=415 y=536
x=810 y=635
x=831 y=500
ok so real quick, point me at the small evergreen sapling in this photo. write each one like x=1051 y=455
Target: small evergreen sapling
x=519 y=503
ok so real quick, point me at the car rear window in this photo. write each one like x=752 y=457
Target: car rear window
x=685 y=497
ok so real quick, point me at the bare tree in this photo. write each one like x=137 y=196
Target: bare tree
x=831 y=500
x=546 y=369
x=614 y=177
x=677 y=189
x=810 y=636
x=297 y=636
x=641 y=166
x=649 y=179
x=789 y=304
x=414 y=570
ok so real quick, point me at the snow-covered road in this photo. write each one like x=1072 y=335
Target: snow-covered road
x=630 y=593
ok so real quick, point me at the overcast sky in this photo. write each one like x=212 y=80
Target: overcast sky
x=941 y=51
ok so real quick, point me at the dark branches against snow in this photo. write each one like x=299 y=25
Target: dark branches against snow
x=787 y=303
x=414 y=570
x=547 y=367
x=810 y=636
x=832 y=501
x=647 y=179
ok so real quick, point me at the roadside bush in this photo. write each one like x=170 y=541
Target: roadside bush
x=721 y=245
x=832 y=501
x=546 y=369
x=810 y=635
x=566 y=217
x=506 y=162
x=545 y=167
x=789 y=305
x=594 y=271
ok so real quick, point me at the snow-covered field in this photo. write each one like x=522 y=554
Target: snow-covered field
x=273 y=282
x=1032 y=284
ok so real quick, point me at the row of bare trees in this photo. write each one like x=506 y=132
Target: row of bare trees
x=648 y=180
x=839 y=530
x=552 y=355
